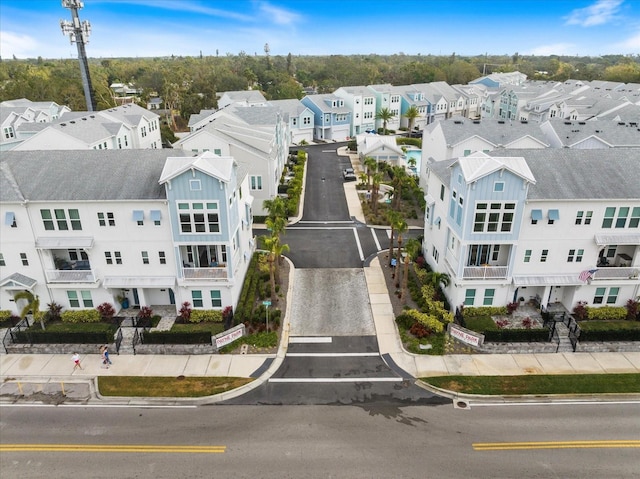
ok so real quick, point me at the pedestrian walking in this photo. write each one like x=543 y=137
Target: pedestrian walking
x=107 y=359
x=76 y=361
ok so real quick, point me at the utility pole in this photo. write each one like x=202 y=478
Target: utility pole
x=79 y=33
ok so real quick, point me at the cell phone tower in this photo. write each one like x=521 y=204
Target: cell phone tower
x=79 y=33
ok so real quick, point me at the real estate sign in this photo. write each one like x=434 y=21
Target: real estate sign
x=465 y=335
x=228 y=336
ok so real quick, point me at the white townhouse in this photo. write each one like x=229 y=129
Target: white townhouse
x=14 y=113
x=555 y=225
x=331 y=118
x=299 y=119
x=125 y=127
x=362 y=103
x=411 y=96
x=158 y=227
x=438 y=104
x=241 y=98
x=388 y=96
x=256 y=137
x=458 y=137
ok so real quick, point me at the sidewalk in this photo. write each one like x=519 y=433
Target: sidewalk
x=51 y=378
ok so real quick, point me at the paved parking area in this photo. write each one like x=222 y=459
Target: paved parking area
x=331 y=302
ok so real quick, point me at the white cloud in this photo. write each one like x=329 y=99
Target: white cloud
x=22 y=46
x=277 y=15
x=601 y=12
x=553 y=49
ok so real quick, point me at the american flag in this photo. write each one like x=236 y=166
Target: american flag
x=586 y=275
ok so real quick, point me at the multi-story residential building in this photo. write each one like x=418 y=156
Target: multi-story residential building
x=389 y=97
x=14 y=113
x=458 y=137
x=410 y=96
x=125 y=127
x=256 y=137
x=299 y=119
x=536 y=224
x=241 y=98
x=362 y=103
x=332 y=119
x=158 y=227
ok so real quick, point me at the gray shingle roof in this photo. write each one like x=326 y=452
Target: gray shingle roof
x=496 y=131
x=571 y=132
x=83 y=175
x=563 y=173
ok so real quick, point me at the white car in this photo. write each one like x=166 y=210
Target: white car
x=349 y=175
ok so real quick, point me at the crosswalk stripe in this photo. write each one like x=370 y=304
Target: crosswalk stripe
x=338 y=380
x=332 y=355
x=310 y=339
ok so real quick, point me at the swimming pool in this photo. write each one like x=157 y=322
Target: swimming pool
x=414 y=154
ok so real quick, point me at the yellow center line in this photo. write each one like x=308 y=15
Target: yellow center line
x=506 y=446
x=144 y=448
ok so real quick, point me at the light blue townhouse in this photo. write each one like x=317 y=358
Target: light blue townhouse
x=332 y=119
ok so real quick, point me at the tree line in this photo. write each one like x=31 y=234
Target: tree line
x=190 y=84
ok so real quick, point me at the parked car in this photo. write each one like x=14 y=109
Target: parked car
x=349 y=175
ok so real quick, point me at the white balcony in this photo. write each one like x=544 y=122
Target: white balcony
x=484 y=272
x=217 y=273
x=70 y=276
x=616 y=273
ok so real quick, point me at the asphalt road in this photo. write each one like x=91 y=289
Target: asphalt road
x=371 y=440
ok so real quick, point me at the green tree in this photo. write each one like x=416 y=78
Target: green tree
x=394 y=219
x=436 y=279
x=376 y=179
x=411 y=114
x=385 y=116
x=32 y=306
x=412 y=248
x=371 y=165
x=401 y=228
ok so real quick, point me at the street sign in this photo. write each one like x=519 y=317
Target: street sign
x=267 y=303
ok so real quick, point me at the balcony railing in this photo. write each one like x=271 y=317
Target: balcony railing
x=484 y=272
x=70 y=276
x=218 y=273
x=613 y=272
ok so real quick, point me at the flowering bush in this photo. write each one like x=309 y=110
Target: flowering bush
x=185 y=311
x=502 y=323
x=511 y=307
x=527 y=323
x=106 y=311
x=145 y=312
x=580 y=311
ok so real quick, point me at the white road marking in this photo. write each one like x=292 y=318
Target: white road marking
x=332 y=355
x=310 y=339
x=329 y=151
x=336 y=380
x=146 y=406
x=355 y=233
x=326 y=222
x=552 y=402
x=375 y=238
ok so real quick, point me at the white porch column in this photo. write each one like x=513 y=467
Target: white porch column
x=544 y=301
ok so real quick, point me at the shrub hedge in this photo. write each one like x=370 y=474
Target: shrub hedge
x=609 y=331
x=606 y=313
x=473 y=311
x=202 y=315
x=517 y=335
x=173 y=337
x=39 y=336
x=81 y=316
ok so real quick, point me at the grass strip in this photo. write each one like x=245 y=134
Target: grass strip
x=539 y=384
x=156 y=386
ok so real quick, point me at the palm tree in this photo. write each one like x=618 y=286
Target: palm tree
x=372 y=165
x=276 y=207
x=275 y=249
x=394 y=219
x=401 y=228
x=385 y=115
x=411 y=114
x=376 y=179
x=33 y=306
x=276 y=225
x=437 y=279
x=400 y=178
x=411 y=247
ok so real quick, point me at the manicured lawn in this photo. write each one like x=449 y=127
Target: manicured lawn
x=607 y=325
x=539 y=384
x=412 y=344
x=481 y=324
x=151 y=386
x=60 y=327
x=213 y=328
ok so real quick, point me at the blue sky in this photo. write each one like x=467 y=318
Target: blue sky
x=148 y=28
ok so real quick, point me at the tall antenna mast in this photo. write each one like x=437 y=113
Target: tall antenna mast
x=79 y=34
